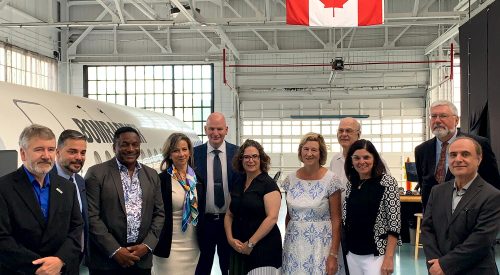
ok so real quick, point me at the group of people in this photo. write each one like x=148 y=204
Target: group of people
x=125 y=218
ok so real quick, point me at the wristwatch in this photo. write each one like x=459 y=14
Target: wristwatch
x=250 y=244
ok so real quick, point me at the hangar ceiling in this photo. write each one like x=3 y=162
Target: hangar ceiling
x=93 y=29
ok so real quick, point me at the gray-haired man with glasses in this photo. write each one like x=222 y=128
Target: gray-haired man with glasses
x=349 y=131
x=431 y=158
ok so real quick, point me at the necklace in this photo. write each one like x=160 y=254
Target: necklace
x=361 y=182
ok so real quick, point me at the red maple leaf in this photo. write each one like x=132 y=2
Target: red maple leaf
x=334 y=3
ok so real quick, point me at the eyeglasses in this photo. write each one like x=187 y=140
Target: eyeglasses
x=249 y=157
x=347 y=131
x=440 y=116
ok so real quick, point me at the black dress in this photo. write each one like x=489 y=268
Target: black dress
x=249 y=211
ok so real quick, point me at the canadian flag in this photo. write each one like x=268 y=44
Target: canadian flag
x=335 y=13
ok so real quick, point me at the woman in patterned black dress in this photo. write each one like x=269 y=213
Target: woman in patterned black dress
x=371 y=215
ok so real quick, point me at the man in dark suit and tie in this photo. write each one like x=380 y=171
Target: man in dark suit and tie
x=40 y=219
x=70 y=158
x=462 y=217
x=431 y=158
x=213 y=162
x=125 y=210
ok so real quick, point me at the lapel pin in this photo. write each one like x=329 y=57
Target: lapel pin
x=59 y=190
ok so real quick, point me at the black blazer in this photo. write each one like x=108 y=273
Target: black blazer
x=165 y=242
x=85 y=214
x=464 y=242
x=425 y=160
x=25 y=235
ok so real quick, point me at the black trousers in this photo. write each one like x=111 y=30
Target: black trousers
x=213 y=236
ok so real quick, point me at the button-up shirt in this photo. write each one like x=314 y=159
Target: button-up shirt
x=439 y=145
x=132 y=193
x=458 y=194
x=70 y=177
x=42 y=193
x=211 y=207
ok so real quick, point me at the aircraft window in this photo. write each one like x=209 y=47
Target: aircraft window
x=149 y=153
x=108 y=155
x=97 y=158
x=143 y=156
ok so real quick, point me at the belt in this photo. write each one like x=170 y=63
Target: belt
x=215 y=216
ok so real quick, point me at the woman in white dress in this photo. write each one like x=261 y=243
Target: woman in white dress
x=177 y=250
x=313 y=218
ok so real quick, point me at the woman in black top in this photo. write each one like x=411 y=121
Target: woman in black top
x=371 y=215
x=250 y=221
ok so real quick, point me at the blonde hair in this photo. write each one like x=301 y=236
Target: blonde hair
x=322 y=146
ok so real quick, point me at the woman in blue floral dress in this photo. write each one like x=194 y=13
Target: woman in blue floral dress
x=313 y=219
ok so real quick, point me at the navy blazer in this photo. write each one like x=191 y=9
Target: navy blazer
x=425 y=160
x=463 y=241
x=80 y=182
x=165 y=242
x=25 y=235
x=200 y=163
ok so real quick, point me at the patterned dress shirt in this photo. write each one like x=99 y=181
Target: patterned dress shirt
x=132 y=194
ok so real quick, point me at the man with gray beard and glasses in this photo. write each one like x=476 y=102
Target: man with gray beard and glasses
x=431 y=158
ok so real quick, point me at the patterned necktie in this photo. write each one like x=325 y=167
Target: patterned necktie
x=441 y=167
x=218 y=189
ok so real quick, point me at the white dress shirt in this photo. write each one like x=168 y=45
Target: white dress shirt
x=211 y=207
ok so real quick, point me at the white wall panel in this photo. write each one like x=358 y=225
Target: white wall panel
x=39 y=40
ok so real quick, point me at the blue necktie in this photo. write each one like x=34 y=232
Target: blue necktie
x=218 y=189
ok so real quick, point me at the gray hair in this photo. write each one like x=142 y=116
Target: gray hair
x=35 y=130
x=450 y=105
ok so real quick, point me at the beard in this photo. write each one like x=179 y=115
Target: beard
x=37 y=169
x=441 y=131
x=68 y=166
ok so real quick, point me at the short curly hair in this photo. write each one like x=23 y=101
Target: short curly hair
x=265 y=160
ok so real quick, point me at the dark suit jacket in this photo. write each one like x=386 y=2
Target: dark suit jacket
x=107 y=215
x=200 y=163
x=85 y=215
x=425 y=160
x=165 y=243
x=463 y=241
x=25 y=235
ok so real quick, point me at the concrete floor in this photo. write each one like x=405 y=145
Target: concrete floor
x=404 y=261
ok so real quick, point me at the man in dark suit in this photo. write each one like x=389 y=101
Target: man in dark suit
x=40 y=220
x=125 y=210
x=213 y=162
x=462 y=217
x=70 y=158
x=431 y=158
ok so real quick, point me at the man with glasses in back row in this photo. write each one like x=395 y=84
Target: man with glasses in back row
x=349 y=131
x=431 y=158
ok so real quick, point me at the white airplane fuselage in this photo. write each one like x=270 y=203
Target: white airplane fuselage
x=21 y=106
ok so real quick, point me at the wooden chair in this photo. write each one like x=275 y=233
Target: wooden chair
x=417 y=233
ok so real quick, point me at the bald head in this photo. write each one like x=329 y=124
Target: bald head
x=348 y=132
x=216 y=129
